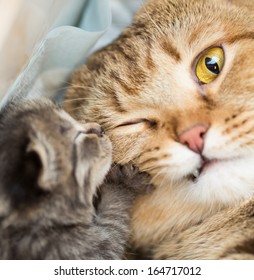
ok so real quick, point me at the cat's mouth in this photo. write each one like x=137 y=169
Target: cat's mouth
x=205 y=165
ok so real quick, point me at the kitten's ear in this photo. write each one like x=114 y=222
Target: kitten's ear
x=38 y=164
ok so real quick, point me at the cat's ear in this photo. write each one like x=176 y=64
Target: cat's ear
x=38 y=163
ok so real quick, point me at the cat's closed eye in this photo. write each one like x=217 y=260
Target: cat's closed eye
x=150 y=123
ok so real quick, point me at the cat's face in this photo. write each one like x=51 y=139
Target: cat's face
x=180 y=97
x=187 y=114
x=48 y=160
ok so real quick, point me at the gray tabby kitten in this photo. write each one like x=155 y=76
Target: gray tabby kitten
x=50 y=169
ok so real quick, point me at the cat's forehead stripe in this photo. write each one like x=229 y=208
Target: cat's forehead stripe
x=170 y=49
x=244 y=36
x=116 y=101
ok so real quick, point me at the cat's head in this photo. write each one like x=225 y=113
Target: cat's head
x=50 y=163
x=175 y=94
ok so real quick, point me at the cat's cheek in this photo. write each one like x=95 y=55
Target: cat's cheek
x=216 y=144
x=182 y=162
x=226 y=183
x=127 y=146
x=219 y=145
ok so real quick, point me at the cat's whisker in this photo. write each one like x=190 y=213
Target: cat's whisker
x=153 y=169
x=75 y=99
x=96 y=90
x=75 y=109
x=147 y=161
x=90 y=98
x=152 y=162
x=158 y=174
x=162 y=183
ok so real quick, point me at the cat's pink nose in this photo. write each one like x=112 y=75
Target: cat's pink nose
x=193 y=137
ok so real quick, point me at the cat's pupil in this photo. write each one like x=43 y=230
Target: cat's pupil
x=212 y=65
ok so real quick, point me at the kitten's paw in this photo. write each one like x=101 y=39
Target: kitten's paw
x=129 y=177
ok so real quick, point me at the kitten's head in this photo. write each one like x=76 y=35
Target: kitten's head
x=50 y=164
x=175 y=94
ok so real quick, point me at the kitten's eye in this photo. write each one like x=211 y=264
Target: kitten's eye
x=209 y=65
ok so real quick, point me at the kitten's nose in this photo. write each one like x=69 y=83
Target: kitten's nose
x=93 y=128
x=193 y=137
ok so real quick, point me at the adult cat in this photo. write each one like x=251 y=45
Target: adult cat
x=175 y=95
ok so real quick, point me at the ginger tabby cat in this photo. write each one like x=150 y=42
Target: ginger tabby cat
x=175 y=95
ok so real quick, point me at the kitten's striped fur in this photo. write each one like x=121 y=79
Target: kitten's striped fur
x=51 y=167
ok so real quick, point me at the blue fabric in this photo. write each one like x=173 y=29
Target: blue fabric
x=63 y=49
x=83 y=27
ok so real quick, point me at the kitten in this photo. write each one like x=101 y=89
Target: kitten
x=51 y=167
x=175 y=95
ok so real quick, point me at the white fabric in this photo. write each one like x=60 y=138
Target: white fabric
x=24 y=23
x=65 y=47
x=122 y=13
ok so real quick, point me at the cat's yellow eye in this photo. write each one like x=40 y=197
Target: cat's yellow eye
x=209 y=65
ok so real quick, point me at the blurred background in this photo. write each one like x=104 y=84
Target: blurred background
x=25 y=22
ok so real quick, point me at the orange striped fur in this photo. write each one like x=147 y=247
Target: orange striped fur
x=143 y=90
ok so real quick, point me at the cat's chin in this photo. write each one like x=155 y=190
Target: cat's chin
x=222 y=181
x=206 y=165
